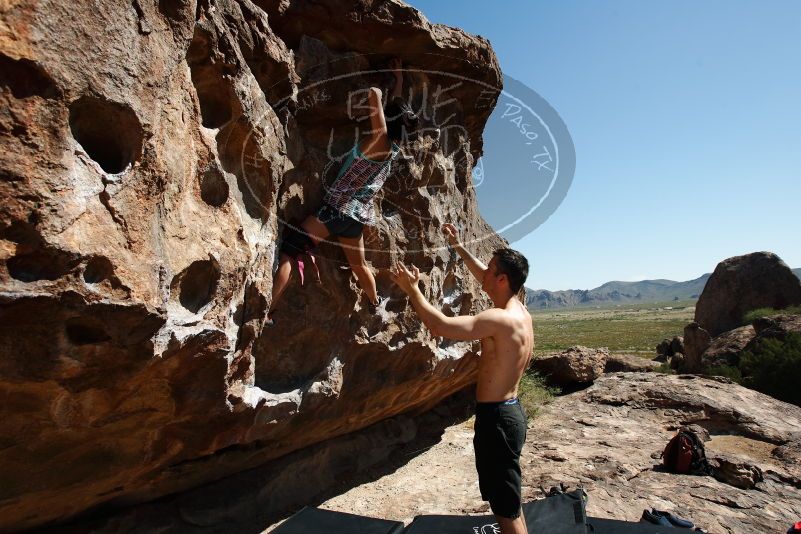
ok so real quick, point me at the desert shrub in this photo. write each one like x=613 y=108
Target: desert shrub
x=751 y=316
x=534 y=392
x=665 y=369
x=774 y=368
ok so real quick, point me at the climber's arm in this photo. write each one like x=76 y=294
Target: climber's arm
x=378 y=124
x=462 y=327
x=475 y=265
x=376 y=144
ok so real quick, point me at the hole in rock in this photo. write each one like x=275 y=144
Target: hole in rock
x=21 y=232
x=82 y=331
x=396 y=301
x=39 y=265
x=450 y=285
x=396 y=304
x=213 y=188
x=110 y=133
x=215 y=108
x=437 y=179
x=213 y=90
x=196 y=284
x=201 y=46
x=175 y=9
x=25 y=78
x=274 y=78
x=214 y=96
x=98 y=269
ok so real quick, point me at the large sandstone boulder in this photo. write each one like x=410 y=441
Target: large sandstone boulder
x=149 y=154
x=744 y=283
x=576 y=365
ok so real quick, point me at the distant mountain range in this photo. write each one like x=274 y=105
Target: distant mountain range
x=620 y=293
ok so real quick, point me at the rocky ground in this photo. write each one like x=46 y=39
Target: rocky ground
x=606 y=438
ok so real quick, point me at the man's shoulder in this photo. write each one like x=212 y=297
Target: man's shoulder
x=496 y=315
x=504 y=317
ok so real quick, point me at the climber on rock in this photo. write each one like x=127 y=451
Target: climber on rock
x=507 y=342
x=348 y=203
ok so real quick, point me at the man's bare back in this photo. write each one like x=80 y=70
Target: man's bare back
x=505 y=355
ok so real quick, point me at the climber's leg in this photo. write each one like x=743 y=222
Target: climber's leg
x=315 y=229
x=280 y=281
x=354 y=252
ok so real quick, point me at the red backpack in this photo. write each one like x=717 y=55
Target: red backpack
x=685 y=455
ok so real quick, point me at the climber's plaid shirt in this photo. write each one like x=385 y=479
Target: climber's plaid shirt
x=357 y=183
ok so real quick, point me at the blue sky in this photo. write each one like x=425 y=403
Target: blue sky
x=686 y=119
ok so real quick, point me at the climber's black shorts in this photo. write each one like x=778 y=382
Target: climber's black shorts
x=339 y=224
x=295 y=242
x=500 y=431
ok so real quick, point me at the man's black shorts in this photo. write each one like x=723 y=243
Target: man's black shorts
x=499 y=438
x=339 y=224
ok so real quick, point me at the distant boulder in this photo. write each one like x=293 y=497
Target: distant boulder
x=576 y=365
x=677 y=361
x=744 y=283
x=725 y=349
x=777 y=326
x=629 y=363
x=668 y=347
x=663 y=351
x=677 y=345
x=696 y=341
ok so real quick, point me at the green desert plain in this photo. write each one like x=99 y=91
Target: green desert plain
x=622 y=328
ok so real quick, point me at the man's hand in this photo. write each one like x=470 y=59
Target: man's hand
x=477 y=268
x=405 y=279
x=451 y=234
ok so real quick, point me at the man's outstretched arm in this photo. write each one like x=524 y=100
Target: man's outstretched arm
x=474 y=264
x=462 y=327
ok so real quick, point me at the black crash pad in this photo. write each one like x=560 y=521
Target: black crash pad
x=316 y=521
x=613 y=526
x=559 y=514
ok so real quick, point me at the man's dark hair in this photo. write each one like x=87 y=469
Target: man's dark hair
x=514 y=265
x=401 y=120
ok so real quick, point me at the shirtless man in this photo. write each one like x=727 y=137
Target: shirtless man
x=507 y=341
